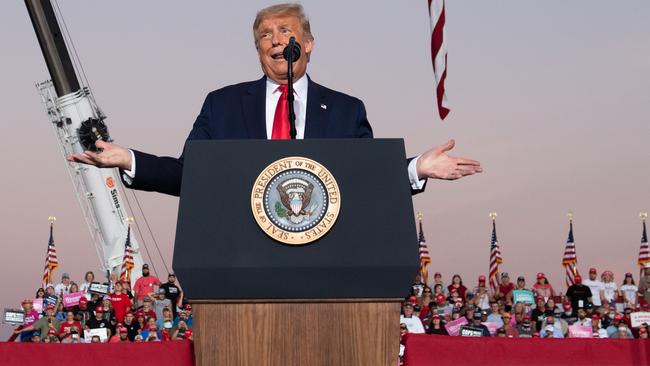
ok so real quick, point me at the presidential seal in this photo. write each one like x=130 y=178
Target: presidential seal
x=295 y=200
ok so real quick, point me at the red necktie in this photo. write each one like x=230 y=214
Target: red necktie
x=281 y=118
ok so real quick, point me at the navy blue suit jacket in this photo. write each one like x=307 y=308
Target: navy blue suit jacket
x=239 y=112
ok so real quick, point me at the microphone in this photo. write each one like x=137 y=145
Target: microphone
x=292 y=51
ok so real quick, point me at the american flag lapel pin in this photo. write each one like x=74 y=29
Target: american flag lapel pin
x=323 y=106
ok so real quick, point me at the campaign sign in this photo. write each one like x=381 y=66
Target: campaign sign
x=467 y=331
x=580 y=331
x=524 y=296
x=72 y=299
x=101 y=332
x=99 y=288
x=492 y=327
x=38 y=305
x=639 y=317
x=453 y=327
x=14 y=317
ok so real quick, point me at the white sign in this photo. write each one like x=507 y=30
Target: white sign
x=14 y=316
x=639 y=318
x=101 y=332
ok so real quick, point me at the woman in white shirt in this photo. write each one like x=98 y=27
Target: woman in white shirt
x=88 y=278
x=629 y=290
x=610 y=291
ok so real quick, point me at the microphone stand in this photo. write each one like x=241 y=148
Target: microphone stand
x=292 y=115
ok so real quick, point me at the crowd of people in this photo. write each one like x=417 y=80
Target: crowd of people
x=597 y=307
x=150 y=311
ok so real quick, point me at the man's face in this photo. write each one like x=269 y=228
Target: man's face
x=145 y=271
x=65 y=280
x=128 y=319
x=495 y=308
x=171 y=279
x=273 y=35
x=408 y=310
x=592 y=276
x=581 y=313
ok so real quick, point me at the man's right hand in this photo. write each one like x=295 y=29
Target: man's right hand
x=112 y=156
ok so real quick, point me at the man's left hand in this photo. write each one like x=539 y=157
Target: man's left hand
x=435 y=163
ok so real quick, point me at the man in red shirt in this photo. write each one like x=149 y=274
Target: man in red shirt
x=504 y=293
x=120 y=301
x=145 y=285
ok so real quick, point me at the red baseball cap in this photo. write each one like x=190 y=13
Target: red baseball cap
x=618 y=317
x=153 y=327
x=436 y=316
x=567 y=306
x=596 y=316
x=122 y=330
x=440 y=298
x=437 y=274
x=541 y=275
x=481 y=278
x=413 y=300
x=83 y=299
x=188 y=307
x=592 y=270
x=99 y=310
x=49 y=307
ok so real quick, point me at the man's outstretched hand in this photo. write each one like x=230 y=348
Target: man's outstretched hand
x=435 y=163
x=112 y=156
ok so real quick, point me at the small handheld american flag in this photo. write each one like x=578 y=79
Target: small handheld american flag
x=127 y=261
x=570 y=260
x=424 y=253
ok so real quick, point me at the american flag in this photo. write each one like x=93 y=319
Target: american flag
x=570 y=260
x=127 y=261
x=644 y=251
x=439 y=53
x=424 y=256
x=51 y=262
x=495 y=259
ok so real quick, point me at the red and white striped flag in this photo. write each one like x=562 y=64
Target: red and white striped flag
x=644 y=250
x=127 y=261
x=570 y=260
x=51 y=261
x=439 y=53
x=495 y=259
x=425 y=259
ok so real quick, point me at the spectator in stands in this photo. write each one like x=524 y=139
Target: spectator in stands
x=543 y=288
x=539 y=313
x=553 y=309
x=437 y=280
x=521 y=283
x=31 y=316
x=622 y=331
x=166 y=320
x=68 y=326
x=457 y=284
x=99 y=322
x=95 y=339
x=131 y=325
x=417 y=286
x=122 y=336
x=568 y=314
x=436 y=326
x=89 y=278
x=140 y=319
x=644 y=283
x=595 y=323
x=36 y=337
x=172 y=292
x=161 y=302
x=525 y=328
x=50 y=297
x=63 y=288
x=186 y=315
x=44 y=324
x=107 y=308
x=595 y=286
x=181 y=331
x=643 y=333
x=147 y=309
x=120 y=302
x=427 y=297
x=511 y=332
x=440 y=289
x=504 y=292
x=481 y=296
x=73 y=287
x=138 y=338
x=559 y=329
x=413 y=323
x=495 y=314
x=629 y=290
x=151 y=330
x=578 y=294
x=83 y=313
x=610 y=291
x=145 y=286
x=477 y=319
x=582 y=317
x=40 y=294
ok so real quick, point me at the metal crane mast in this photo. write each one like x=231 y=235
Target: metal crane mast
x=78 y=123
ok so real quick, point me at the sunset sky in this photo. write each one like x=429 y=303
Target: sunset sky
x=551 y=96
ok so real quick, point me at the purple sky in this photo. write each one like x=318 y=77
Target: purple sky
x=552 y=98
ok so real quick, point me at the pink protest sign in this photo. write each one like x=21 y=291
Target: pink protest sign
x=580 y=331
x=38 y=305
x=72 y=299
x=453 y=327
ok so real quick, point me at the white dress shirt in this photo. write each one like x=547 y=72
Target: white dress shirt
x=300 y=89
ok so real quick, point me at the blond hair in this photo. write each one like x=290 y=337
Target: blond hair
x=287 y=9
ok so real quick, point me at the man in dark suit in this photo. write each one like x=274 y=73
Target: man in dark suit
x=257 y=110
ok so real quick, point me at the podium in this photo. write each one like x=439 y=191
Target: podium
x=260 y=301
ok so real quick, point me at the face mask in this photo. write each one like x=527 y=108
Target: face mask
x=568 y=312
x=611 y=315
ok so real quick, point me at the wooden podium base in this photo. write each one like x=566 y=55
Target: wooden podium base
x=329 y=332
